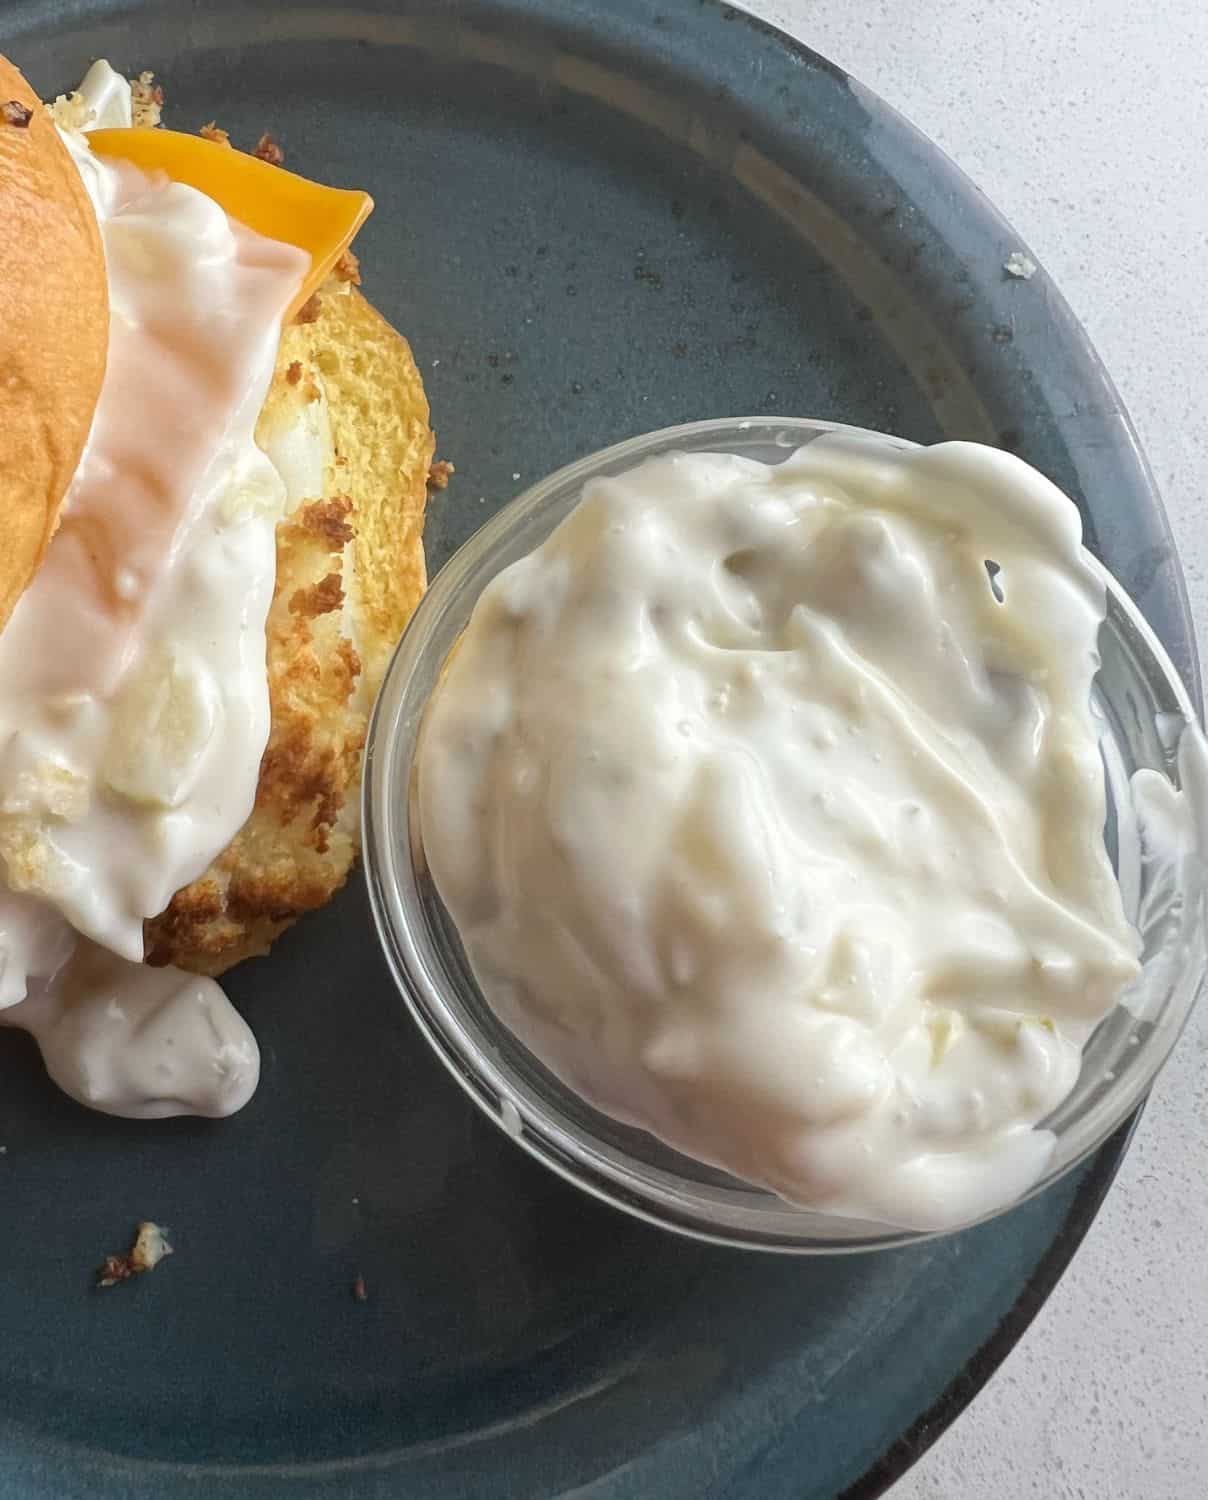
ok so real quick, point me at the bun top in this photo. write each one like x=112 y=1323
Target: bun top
x=54 y=329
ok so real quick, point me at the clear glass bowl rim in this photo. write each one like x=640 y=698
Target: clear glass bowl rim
x=387 y=868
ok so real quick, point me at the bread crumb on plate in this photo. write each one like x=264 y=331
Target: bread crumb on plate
x=149 y=1248
x=1019 y=265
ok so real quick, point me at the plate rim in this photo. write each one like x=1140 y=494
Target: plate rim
x=930 y=1425
x=960 y=1392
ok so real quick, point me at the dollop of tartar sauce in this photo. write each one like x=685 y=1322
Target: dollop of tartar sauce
x=133 y=690
x=767 y=802
x=146 y=1043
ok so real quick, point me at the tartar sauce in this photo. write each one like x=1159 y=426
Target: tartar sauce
x=767 y=803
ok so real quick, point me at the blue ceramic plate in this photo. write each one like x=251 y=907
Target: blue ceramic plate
x=593 y=219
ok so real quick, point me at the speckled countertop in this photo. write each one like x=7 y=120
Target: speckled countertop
x=1086 y=123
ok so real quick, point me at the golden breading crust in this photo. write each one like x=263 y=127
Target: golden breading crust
x=325 y=653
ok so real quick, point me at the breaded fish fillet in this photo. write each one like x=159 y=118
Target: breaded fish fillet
x=346 y=423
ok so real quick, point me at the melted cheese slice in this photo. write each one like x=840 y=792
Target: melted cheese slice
x=278 y=204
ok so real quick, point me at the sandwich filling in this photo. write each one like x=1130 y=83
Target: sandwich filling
x=134 y=707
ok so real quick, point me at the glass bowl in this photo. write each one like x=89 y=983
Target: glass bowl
x=1142 y=708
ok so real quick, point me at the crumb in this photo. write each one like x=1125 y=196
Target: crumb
x=294 y=373
x=268 y=150
x=1019 y=265
x=319 y=598
x=147 y=100
x=70 y=112
x=13 y=112
x=149 y=1248
x=215 y=133
x=348 y=268
x=309 y=311
x=440 y=471
x=360 y=1292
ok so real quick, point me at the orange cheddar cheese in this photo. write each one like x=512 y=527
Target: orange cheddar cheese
x=276 y=203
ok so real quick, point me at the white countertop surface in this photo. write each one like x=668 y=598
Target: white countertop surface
x=1086 y=123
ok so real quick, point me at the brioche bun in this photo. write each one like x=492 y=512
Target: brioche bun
x=54 y=329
